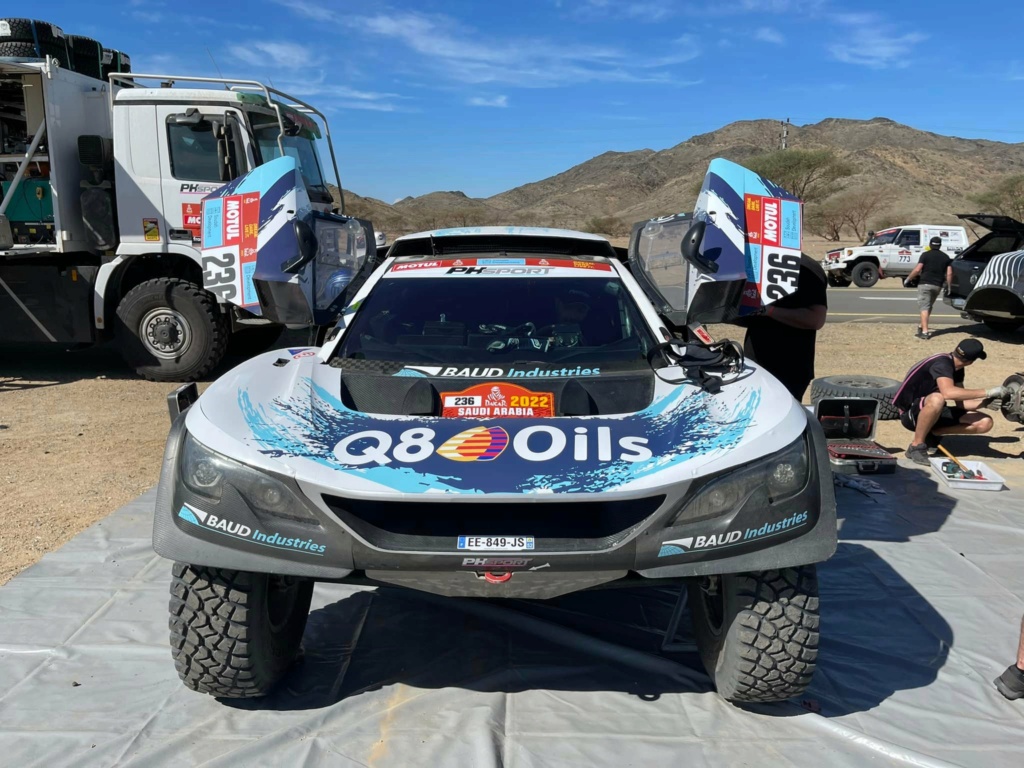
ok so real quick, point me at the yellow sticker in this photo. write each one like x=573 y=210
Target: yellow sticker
x=151 y=230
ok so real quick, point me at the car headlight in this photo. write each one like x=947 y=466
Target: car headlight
x=206 y=473
x=849 y=252
x=760 y=484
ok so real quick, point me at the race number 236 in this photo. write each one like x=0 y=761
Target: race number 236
x=782 y=275
x=219 y=275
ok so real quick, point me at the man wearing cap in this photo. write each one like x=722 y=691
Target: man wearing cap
x=923 y=398
x=932 y=271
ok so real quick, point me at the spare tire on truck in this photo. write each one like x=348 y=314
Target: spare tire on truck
x=86 y=55
x=858 y=385
x=31 y=39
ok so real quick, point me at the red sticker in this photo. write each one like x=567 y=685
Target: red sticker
x=498 y=400
x=192 y=218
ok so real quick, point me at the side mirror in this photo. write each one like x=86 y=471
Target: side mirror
x=305 y=238
x=190 y=116
x=690 y=248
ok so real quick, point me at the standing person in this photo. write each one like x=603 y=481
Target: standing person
x=934 y=269
x=923 y=396
x=781 y=336
x=1011 y=682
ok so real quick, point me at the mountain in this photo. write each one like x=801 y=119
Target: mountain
x=923 y=177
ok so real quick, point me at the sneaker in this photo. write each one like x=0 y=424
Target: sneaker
x=1011 y=682
x=918 y=454
x=923 y=335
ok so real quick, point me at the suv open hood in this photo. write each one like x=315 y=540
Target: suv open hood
x=993 y=221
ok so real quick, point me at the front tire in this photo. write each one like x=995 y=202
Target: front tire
x=865 y=274
x=837 y=281
x=171 y=330
x=234 y=633
x=757 y=633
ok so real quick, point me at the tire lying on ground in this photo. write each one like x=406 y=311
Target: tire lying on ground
x=234 y=633
x=857 y=385
x=757 y=633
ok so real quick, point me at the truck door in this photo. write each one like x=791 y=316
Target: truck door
x=908 y=250
x=201 y=150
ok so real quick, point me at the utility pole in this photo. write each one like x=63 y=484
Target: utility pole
x=784 y=138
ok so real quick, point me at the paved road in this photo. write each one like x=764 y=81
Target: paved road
x=886 y=304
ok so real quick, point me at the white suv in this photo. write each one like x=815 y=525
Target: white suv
x=890 y=253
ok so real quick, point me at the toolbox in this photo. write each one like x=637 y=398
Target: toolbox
x=849 y=424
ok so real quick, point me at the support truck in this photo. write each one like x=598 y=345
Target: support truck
x=100 y=224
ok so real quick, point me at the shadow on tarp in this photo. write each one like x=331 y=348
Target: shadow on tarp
x=913 y=505
x=879 y=636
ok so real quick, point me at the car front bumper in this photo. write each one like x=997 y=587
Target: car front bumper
x=335 y=546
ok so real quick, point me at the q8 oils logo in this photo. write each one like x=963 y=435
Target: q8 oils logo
x=540 y=443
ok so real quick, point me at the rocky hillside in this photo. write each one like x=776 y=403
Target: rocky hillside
x=922 y=176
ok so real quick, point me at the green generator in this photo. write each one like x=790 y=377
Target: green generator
x=30 y=212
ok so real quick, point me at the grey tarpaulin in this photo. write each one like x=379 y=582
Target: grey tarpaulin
x=921 y=606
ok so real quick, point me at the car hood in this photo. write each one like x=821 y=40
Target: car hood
x=994 y=222
x=288 y=418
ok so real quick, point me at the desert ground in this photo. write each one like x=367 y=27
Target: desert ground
x=80 y=435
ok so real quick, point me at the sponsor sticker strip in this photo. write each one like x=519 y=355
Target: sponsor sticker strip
x=500 y=267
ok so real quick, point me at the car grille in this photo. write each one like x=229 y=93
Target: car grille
x=556 y=526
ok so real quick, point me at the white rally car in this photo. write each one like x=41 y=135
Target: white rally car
x=508 y=412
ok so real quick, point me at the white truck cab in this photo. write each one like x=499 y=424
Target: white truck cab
x=889 y=253
x=114 y=172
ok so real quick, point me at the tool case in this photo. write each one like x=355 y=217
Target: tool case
x=849 y=424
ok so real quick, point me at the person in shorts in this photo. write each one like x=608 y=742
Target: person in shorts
x=923 y=399
x=933 y=270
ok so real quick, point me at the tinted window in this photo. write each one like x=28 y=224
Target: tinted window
x=909 y=237
x=992 y=245
x=486 y=321
x=884 y=238
x=193 y=152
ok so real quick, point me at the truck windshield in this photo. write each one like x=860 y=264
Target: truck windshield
x=883 y=238
x=299 y=147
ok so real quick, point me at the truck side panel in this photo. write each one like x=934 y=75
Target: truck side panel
x=75 y=105
x=46 y=300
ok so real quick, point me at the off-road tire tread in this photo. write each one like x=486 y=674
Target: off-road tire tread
x=207 y=305
x=21 y=31
x=855 y=272
x=212 y=639
x=823 y=388
x=778 y=635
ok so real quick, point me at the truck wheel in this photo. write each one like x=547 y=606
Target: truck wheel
x=878 y=387
x=234 y=633
x=757 y=633
x=837 y=281
x=864 y=274
x=30 y=30
x=26 y=50
x=171 y=330
x=1006 y=326
x=249 y=341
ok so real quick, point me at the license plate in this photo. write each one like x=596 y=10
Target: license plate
x=496 y=543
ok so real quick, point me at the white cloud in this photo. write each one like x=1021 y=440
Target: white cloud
x=769 y=35
x=869 y=41
x=259 y=53
x=480 y=101
x=598 y=10
x=464 y=55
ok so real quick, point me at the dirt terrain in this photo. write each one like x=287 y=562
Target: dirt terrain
x=80 y=436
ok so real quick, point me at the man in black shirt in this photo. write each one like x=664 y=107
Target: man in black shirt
x=934 y=269
x=923 y=395
x=780 y=338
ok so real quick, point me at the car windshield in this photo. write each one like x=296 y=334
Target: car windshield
x=883 y=238
x=299 y=147
x=484 y=320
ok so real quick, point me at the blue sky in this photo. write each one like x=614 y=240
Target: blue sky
x=484 y=95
